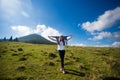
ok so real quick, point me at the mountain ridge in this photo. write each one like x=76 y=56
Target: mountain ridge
x=34 y=38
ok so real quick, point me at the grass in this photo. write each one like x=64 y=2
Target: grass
x=23 y=61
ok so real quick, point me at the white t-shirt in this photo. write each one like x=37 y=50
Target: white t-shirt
x=61 y=46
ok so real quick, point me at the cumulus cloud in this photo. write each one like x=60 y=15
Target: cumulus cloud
x=50 y=31
x=102 y=35
x=116 y=44
x=102 y=46
x=46 y=31
x=43 y=30
x=103 y=21
x=40 y=28
x=78 y=44
x=116 y=35
x=21 y=30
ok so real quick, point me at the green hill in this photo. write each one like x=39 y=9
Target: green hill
x=34 y=38
x=24 y=61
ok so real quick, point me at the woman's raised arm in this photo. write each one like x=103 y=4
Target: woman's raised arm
x=50 y=37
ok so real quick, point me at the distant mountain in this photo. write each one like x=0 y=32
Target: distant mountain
x=34 y=38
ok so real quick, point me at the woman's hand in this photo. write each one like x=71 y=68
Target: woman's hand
x=69 y=37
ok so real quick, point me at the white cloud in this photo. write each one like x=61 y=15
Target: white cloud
x=79 y=25
x=101 y=35
x=116 y=35
x=101 y=46
x=46 y=31
x=11 y=10
x=25 y=14
x=104 y=21
x=116 y=44
x=40 y=29
x=21 y=30
x=50 y=31
x=78 y=44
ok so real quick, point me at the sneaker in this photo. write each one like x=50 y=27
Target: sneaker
x=63 y=71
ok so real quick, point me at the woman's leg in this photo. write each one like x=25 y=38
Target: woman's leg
x=62 y=54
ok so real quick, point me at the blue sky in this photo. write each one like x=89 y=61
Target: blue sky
x=91 y=22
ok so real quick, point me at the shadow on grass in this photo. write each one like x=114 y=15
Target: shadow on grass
x=111 y=78
x=74 y=72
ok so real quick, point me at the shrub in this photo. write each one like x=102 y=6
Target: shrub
x=45 y=52
x=21 y=68
x=13 y=50
x=27 y=54
x=69 y=63
x=116 y=66
x=4 y=51
x=111 y=78
x=21 y=78
x=6 y=48
x=76 y=59
x=81 y=66
x=14 y=54
x=20 y=49
x=22 y=59
x=32 y=49
x=52 y=55
x=49 y=63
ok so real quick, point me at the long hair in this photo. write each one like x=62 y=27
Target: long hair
x=58 y=41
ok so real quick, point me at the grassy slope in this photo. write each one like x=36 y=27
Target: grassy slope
x=41 y=62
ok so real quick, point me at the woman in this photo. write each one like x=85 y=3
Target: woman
x=61 y=42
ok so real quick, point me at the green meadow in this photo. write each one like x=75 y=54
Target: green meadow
x=25 y=61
